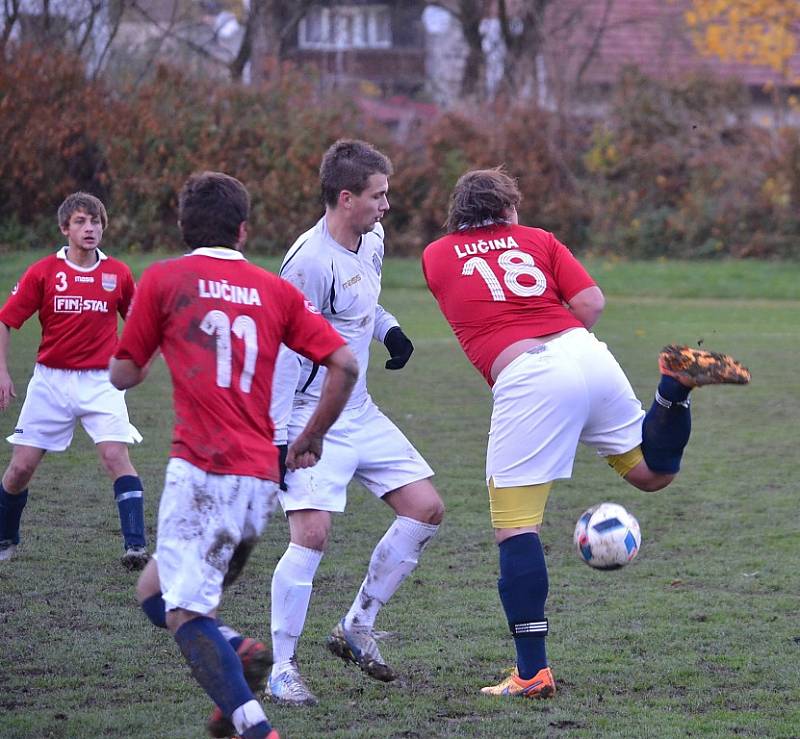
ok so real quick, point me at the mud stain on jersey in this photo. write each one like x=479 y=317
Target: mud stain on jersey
x=238 y=560
x=221 y=550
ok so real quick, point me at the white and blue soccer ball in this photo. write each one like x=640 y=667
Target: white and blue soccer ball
x=607 y=536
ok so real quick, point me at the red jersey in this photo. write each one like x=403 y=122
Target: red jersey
x=77 y=307
x=219 y=322
x=500 y=284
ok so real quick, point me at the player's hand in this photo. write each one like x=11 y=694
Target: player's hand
x=399 y=346
x=7 y=391
x=303 y=452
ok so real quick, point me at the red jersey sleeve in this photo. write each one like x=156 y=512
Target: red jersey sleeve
x=126 y=297
x=141 y=335
x=306 y=331
x=571 y=276
x=25 y=298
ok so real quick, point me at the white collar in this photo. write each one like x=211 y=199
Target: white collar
x=217 y=252
x=62 y=254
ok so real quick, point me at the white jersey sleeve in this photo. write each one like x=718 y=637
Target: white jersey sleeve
x=383 y=322
x=284 y=385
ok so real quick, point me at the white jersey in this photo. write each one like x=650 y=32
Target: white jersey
x=344 y=286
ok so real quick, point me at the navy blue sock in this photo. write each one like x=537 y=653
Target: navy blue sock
x=666 y=430
x=155 y=610
x=128 y=492
x=215 y=666
x=11 y=507
x=523 y=587
x=234 y=638
x=259 y=731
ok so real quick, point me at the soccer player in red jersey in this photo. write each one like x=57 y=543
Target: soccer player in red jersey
x=219 y=321
x=521 y=306
x=78 y=293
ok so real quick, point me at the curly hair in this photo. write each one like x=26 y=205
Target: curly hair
x=481 y=196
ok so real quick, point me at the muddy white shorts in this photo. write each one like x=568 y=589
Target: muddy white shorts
x=566 y=391
x=202 y=518
x=363 y=445
x=57 y=398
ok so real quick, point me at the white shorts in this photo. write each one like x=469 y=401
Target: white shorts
x=58 y=398
x=363 y=445
x=202 y=518
x=566 y=391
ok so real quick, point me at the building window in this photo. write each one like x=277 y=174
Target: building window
x=346 y=27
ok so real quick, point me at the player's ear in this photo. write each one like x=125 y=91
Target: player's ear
x=345 y=198
x=242 y=235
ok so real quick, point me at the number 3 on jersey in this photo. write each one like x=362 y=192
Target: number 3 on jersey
x=216 y=323
x=514 y=264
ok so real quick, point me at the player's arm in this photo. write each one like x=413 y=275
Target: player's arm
x=341 y=376
x=140 y=338
x=587 y=305
x=125 y=373
x=7 y=391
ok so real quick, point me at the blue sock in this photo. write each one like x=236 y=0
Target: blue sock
x=128 y=492
x=11 y=507
x=259 y=731
x=214 y=664
x=523 y=587
x=155 y=610
x=233 y=637
x=666 y=430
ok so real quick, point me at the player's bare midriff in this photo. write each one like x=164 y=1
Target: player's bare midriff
x=512 y=351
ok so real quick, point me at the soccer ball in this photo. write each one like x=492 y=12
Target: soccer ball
x=607 y=537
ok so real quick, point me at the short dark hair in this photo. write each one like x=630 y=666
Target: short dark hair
x=481 y=196
x=347 y=165
x=211 y=207
x=85 y=202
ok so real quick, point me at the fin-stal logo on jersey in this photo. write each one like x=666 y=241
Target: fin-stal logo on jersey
x=77 y=304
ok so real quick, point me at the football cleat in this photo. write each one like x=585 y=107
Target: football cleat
x=256 y=661
x=287 y=688
x=8 y=549
x=541 y=685
x=697 y=367
x=135 y=558
x=360 y=648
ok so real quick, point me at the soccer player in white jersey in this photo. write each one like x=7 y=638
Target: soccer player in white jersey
x=337 y=265
x=78 y=293
x=219 y=322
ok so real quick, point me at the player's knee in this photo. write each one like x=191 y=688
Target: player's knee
x=115 y=459
x=310 y=529
x=433 y=512
x=18 y=475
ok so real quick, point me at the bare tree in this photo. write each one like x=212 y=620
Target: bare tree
x=277 y=24
x=10 y=18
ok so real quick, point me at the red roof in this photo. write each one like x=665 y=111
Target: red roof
x=651 y=34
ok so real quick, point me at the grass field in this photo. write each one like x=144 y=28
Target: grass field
x=698 y=637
